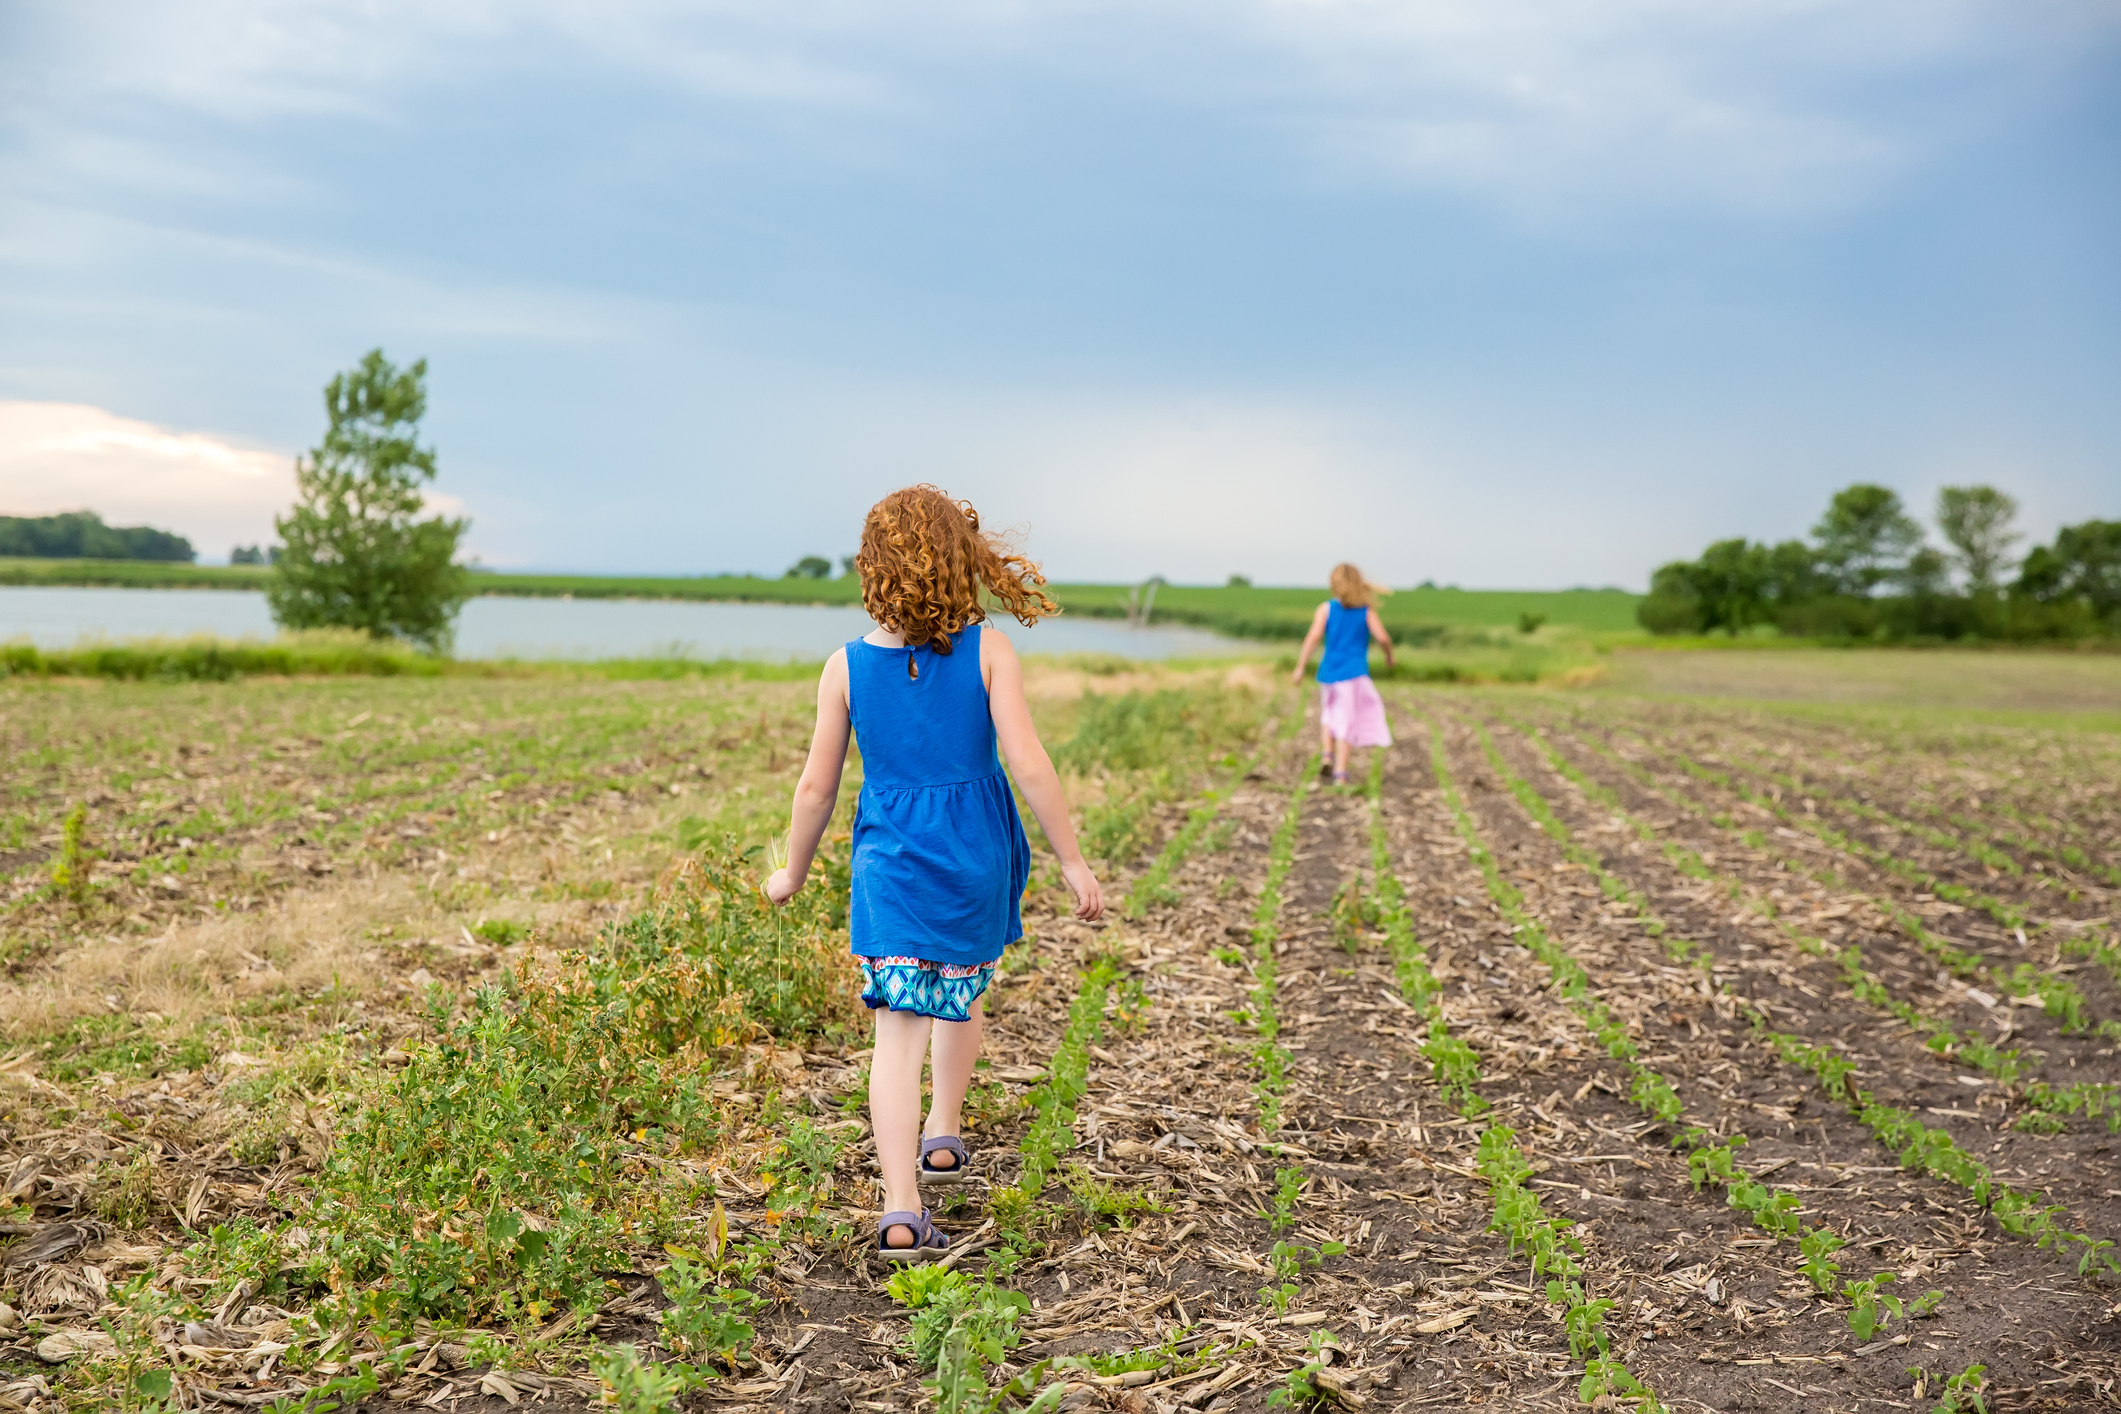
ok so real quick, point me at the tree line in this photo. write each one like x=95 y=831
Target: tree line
x=82 y=535
x=1869 y=572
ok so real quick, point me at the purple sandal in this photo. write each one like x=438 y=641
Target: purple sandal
x=947 y=1143
x=927 y=1242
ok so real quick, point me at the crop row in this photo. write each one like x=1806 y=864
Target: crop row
x=1916 y=1146
x=2058 y=995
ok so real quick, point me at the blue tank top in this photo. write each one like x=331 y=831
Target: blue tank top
x=940 y=856
x=1347 y=652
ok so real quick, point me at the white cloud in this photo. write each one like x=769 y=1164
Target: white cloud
x=216 y=492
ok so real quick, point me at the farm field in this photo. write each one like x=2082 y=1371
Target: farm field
x=1839 y=679
x=1597 y=1046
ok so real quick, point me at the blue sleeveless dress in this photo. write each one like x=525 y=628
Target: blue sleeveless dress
x=1347 y=652
x=940 y=856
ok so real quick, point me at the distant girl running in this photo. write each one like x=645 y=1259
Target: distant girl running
x=1350 y=713
x=940 y=858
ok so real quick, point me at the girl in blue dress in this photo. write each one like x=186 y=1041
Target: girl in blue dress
x=940 y=857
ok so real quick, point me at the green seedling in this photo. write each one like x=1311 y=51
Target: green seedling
x=960 y=1383
x=1963 y=1392
x=1300 y=1387
x=637 y=1386
x=1870 y=1308
x=1818 y=1246
x=1288 y=1187
x=71 y=870
x=703 y=1320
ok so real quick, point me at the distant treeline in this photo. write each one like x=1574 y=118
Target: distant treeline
x=1868 y=572
x=82 y=535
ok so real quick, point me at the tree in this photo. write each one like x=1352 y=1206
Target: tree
x=1864 y=538
x=1734 y=585
x=809 y=567
x=77 y=535
x=2084 y=564
x=1976 y=520
x=246 y=555
x=354 y=555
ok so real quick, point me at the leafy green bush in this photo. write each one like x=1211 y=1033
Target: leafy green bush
x=515 y=1159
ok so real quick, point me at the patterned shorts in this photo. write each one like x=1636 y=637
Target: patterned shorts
x=943 y=990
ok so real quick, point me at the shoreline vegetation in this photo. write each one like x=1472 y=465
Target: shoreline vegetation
x=1236 y=611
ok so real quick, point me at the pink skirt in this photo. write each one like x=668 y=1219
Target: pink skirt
x=1351 y=711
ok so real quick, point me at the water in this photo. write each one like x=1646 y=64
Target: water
x=497 y=627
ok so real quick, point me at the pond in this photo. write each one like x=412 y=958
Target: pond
x=493 y=626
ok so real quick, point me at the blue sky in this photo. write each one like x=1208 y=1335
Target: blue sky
x=1487 y=291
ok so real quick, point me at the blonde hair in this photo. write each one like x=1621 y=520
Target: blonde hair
x=1351 y=589
x=924 y=561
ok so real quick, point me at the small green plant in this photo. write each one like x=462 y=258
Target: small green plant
x=960 y=1383
x=70 y=871
x=703 y=1321
x=1455 y=1066
x=1288 y=1187
x=1871 y=1309
x=915 y=1286
x=984 y=1313
x=1287 y=1261
x=1103 y=1201
x=1131 y=1005
x=637 y=1386
x=1963 y=1392
x=1819 y=1246
x=1713 y=1163
x=501 y=932
x=127 y=1196
x=1355 y=915
x=1301 y=1387
x=1229 y=957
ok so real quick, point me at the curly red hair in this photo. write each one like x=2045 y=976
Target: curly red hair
x=924 y=561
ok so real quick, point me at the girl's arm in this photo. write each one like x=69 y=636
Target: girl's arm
x=819 y=789
x=1311 y=639
x=1033 y=768
x=1377 y=632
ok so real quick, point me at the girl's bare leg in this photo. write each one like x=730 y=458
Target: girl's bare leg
x=1340 y=757
x=895 y=1111
x=956 y=1048
x=1325 y=744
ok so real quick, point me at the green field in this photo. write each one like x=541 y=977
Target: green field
x=1274 y=613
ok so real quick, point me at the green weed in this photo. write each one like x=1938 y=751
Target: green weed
x=637 y=1386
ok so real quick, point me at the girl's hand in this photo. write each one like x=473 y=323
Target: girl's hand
x=1297 y=677
x=781 y=887
x=1089 y=898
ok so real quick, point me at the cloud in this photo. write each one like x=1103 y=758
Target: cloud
x=216 y=492
x=1753 y=103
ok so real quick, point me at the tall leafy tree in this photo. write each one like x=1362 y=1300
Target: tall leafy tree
x=1976 y=521
x=1865 y=538
x=355 y=552
x=2083 y=564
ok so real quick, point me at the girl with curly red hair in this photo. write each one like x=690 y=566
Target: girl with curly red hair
x=940 y=857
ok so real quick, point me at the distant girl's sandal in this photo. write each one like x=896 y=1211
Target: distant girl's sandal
x=947 y=1143
x=928 y=1244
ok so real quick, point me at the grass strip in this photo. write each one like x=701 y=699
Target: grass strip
x=1915 y=1145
